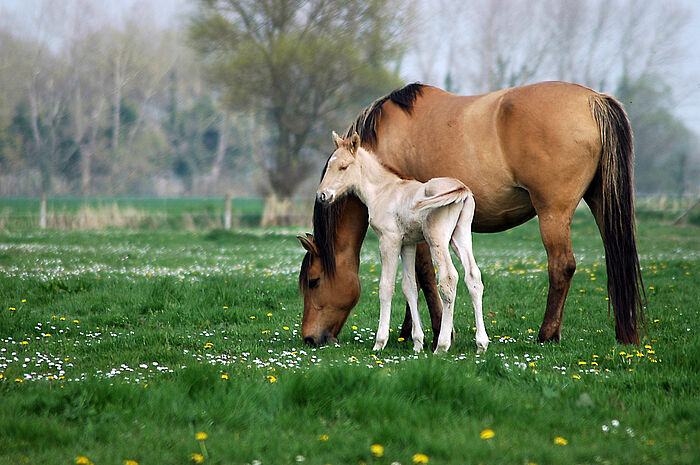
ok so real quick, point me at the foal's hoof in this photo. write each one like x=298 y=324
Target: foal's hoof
x=481 y=348
x=441 y=349
x=379 y=345
x=417 y=347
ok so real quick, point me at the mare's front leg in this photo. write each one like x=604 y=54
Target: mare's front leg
x=389 y=254
x=410 y=291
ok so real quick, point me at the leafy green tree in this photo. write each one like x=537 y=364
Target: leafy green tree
x=666 y=160
x=300 y=65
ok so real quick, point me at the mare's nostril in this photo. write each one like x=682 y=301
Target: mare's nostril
x=309 y=340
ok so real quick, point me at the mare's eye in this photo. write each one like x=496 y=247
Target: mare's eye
x=313 y=283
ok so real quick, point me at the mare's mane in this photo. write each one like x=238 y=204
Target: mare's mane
x=325 y=218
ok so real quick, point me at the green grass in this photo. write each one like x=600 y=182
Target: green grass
x=120 y=340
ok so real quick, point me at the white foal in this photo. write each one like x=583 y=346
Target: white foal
x=403 y=213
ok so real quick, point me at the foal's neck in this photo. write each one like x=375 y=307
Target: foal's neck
x=374 y=179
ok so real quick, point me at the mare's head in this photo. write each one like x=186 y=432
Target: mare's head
x=342 y=172
x=328 y=296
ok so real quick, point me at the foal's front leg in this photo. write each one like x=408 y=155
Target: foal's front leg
x=389 y=254
x=410 y=291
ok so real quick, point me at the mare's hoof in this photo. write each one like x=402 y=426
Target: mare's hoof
x=544 y=337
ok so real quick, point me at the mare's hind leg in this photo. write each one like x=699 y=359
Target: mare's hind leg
x=462 y=245
x=389 y=254
x=410 y=291
x=556 y=237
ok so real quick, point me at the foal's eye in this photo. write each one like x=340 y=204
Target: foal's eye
x=343 y=167
x=313 y=283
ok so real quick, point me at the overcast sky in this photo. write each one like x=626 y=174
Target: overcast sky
x=163 y=13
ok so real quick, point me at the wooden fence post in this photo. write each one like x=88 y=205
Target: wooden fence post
x=42 y=212
x=227 y=212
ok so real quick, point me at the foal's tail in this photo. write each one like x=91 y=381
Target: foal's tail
x=617 y=227
x=458 y=194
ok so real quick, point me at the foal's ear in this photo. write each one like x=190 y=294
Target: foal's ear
x=308 y=243
x=337 y=140
x=354 y=143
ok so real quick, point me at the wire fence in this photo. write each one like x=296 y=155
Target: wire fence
x=187 y=213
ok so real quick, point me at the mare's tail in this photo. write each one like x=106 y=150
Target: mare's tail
x=625 y=286
x=445 y=198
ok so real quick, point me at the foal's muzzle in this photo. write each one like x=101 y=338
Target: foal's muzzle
x=324 y=197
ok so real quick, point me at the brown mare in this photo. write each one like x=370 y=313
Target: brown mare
x=525 y=151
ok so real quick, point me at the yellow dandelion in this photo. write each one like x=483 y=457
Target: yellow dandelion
x=76 y=321
x=581 y=362
x=286 y=328
x=377 y=450
x=401 y=339
x=560 y=441
x=647 y=346
x=420 y=458
x=24 y=300
x=24 y=343
x=197 y=458
x=201 y=436
x=208 y=345
x=487 y=434
x=82 y=460
x=354 y=327
x=265 y=331
x=130 y=462
x=224 y=376
x=323 y=437
x=269 y=314
x=271 y=378
x=252 y=317
x=12 y=308
x=576 y=377
x=19 y=380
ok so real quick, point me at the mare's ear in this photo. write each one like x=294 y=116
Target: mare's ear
x=354 y=143
x=337 y=140
x=308 y=243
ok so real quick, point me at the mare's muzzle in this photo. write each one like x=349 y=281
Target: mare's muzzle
x=315 y=341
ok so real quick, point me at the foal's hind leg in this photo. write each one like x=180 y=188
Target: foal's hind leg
x=410 y=291
x=462 y=245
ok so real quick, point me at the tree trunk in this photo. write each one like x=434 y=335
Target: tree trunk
x=221 y=147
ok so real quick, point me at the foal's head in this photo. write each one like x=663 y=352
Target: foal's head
x=342 y=171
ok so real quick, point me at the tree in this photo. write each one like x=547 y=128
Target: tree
x=666 y=158
x=298 y=64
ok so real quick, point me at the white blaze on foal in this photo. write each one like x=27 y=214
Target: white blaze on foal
x=404 y=212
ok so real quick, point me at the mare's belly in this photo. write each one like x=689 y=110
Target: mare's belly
x=501 y=210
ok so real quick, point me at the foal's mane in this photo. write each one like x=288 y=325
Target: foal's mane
x=325 y=218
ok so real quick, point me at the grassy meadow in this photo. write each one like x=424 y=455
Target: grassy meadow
x=175 y=346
